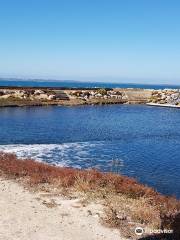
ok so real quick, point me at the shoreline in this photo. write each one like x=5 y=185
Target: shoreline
x=162 y=105
x=77 y=202
x=49 y=96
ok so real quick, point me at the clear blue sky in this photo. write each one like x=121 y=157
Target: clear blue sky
x=111 y=40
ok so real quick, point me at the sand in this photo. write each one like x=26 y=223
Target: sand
x=163 y=105
x=25 y=215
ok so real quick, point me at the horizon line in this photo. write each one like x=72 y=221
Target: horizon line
x=81 y=81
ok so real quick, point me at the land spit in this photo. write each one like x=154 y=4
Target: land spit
x=36 y=96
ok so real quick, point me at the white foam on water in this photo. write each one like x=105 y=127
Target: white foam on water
x=78 y=155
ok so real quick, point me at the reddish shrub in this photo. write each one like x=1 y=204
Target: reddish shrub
x=36 y=173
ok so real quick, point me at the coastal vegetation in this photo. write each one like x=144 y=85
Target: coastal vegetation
x=127 y=203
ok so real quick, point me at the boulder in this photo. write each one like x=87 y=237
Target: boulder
x=38 y=92
x=51 y=97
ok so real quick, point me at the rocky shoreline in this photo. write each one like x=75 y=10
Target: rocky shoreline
x=20 y=96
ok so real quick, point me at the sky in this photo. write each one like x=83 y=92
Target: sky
x=91 y=40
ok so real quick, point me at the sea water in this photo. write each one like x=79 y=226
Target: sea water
x=143 y=140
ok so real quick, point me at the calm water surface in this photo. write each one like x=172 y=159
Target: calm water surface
x=80 y=84
x=145 y=140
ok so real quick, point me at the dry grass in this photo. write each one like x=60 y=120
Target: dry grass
x=126 y=201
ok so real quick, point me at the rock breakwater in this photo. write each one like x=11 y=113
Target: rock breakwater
x=166 y=96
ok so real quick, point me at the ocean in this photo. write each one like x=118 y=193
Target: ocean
x=78 y=84
x=143 y=141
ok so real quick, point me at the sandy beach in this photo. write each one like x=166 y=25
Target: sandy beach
x=34 y=216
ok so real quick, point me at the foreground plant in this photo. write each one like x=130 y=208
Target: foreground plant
x=127 y=203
